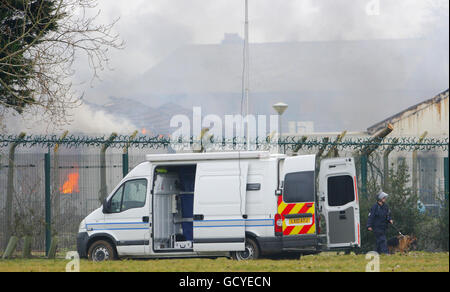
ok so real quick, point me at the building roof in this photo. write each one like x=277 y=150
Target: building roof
x=408 y=112
x=291 y=66
x=340 y=85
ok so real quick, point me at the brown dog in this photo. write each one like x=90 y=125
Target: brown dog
x=401 y=243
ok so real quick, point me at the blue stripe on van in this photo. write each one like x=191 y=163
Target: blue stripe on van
x=218 y=226
x=119 y=223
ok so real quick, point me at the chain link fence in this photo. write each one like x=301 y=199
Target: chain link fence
x=48 y=184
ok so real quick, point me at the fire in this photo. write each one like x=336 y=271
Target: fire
x=71 y=184
x=144 y=131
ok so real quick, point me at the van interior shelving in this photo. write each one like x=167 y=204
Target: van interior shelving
x=173 y=207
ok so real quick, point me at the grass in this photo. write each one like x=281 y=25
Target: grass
x=325 y=262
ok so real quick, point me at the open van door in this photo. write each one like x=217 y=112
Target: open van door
x=338 y=196
x=219 y=206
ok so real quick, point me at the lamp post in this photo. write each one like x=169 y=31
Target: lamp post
x=280 y=108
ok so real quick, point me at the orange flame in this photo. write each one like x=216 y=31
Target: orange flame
x=144 y=131
x=71 y=184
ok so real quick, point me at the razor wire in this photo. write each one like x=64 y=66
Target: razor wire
x=288 y=143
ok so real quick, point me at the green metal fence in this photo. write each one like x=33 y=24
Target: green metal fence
x=49 y=183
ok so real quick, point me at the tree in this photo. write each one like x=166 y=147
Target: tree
x=19 y=29
x=39 y=42
x=403 y=201
x=403 y=204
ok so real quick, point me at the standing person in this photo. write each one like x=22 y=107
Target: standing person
x=379 y=218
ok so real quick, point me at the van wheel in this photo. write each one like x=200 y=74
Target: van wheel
x=101 y=251
x=251 y=251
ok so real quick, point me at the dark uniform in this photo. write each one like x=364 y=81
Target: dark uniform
x=379 y=218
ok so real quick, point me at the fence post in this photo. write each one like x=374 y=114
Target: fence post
x=299 y=146
x=333 y=152
x=103 y=186
x=386 y=163
x=125 y=157
x=125 y=164
x=10 y=189
x=12 y=244
x=26 y=253
x=51 y=254
x=364 y=175
x=48 y=203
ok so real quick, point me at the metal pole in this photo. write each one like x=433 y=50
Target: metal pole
x=364 y=175
x=247 y=71
x=125 y=164
x=48 y=204
x=280 y=128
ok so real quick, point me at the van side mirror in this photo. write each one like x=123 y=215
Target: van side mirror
x=106 y=207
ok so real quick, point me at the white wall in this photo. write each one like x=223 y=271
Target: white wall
x=431 y=117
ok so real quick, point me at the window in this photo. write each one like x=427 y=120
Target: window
x=299 y=187
x=130 y=195
x=340 y=190
x=134 y=194
x=116 y=201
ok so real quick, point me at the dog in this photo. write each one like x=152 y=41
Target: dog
x=401 y=243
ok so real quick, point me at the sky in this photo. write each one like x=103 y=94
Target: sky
x=152 y=29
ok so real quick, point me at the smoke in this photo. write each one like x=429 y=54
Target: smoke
x=326 y=20
x=356 y=92
x=80 y=120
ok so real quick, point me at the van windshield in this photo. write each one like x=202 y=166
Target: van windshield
x=299 y=187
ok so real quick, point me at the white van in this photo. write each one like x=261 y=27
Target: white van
x=239 y=204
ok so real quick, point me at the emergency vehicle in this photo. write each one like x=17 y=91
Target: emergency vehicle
x=239 y=204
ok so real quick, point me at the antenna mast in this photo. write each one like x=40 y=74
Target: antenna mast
x=247 y=71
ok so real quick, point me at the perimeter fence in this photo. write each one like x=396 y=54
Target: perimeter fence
x=48 y=184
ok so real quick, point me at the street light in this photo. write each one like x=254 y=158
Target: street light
x=280 y=108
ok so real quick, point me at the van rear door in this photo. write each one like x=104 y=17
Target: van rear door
x=297 y=203
x=219 y=206
x=338 y=196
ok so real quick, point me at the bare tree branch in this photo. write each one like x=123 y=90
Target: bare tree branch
x=39 y=60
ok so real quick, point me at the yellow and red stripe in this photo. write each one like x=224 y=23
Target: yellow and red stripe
x=294 y=209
